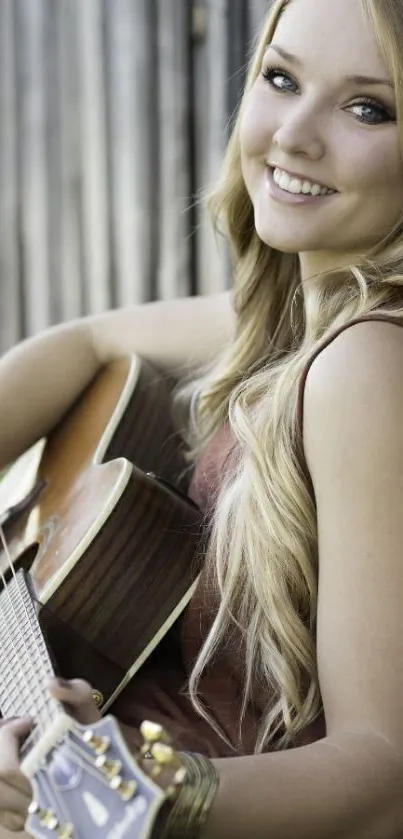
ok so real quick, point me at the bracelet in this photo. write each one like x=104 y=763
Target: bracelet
x=193 y=803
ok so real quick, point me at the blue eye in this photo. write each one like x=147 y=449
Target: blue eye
x=274 y=75
x=368 y=106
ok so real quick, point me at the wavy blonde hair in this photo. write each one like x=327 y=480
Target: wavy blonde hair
x=263 y=538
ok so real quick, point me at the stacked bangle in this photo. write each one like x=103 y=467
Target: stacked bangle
x=193 y=803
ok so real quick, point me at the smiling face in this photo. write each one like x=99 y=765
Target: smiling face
x=308 y=115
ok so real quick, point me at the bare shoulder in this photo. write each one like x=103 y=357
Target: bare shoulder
x=353 y=440
x=358 y=377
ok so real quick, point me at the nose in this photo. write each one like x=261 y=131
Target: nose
x=300 y=133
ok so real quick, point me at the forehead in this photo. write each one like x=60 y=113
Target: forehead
x=334 y=34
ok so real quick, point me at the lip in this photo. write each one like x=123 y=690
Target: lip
x=300 y=177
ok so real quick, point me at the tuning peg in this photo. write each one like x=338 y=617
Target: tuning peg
x=66 y=831
x=154 y=733
x=109 y=767
x=100 y=745
x=47 y=818
x=126 y=789
x=166 y=758
x=164 y=755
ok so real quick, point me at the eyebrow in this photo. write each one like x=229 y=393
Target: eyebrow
x=356 y=79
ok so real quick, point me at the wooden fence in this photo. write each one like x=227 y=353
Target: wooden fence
x=113 y=115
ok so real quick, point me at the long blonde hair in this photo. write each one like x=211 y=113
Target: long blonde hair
x=263 y=540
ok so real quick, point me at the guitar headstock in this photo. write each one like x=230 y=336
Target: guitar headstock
x=88 y=784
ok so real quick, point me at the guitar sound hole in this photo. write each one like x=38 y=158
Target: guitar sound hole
x=25 y=560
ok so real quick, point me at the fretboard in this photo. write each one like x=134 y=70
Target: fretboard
x=25 y=664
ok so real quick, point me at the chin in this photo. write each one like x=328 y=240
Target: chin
x=282 y=237
x=284 y=241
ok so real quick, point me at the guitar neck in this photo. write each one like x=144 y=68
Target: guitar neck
x=25 y=664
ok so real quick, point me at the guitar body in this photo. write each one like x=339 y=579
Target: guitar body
x=111 y=551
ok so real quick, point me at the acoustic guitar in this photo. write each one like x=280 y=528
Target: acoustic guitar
x=98 y=517
x=85 y=781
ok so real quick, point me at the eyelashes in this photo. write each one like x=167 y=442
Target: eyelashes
x=379 y=115
x=271 y=72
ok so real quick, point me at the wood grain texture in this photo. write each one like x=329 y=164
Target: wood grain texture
x=113 y=553
x=113 y=120
x=10 y=269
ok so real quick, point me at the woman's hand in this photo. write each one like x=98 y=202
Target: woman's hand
x=76 y=696
x=15 y=789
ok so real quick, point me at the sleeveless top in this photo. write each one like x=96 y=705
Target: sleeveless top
x=158 y=692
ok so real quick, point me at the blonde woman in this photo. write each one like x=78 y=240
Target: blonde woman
x=292 y=648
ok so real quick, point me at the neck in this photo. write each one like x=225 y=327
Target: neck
x=25 y=665
x=313 y=264
x=315 y=270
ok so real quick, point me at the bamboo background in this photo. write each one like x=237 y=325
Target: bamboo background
x=113 y=115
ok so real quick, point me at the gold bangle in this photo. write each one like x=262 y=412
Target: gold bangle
x=193 y=803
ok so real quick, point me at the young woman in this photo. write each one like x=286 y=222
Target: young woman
x=293 y=644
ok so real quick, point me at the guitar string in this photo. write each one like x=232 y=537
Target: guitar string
x=81 y=757
x=43 y=700
x=25 y=684
x=41 y=707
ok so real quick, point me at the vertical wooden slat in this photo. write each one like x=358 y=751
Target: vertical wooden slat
x=9 y=262
x=70 y=277
x=110 y=143
x=211 y=118
x=53 y=142
x=238 y=46
x=174 y=157
x=31 y=141
x=95 y=219
x=134 y=172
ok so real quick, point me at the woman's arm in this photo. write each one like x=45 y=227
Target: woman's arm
x=350 y=784
x=42 y=376
x=347 y=786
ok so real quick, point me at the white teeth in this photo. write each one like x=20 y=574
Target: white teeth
x=284 y=181
x=296 y=186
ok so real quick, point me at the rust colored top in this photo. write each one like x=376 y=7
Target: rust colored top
x=158 y=691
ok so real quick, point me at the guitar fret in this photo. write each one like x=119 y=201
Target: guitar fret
x=25 y=663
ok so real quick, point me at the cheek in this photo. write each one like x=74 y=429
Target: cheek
x=377 y=168
x=255 y=128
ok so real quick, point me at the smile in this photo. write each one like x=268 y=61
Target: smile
x=288 y=188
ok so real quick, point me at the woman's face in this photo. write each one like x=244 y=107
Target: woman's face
x=309 y=122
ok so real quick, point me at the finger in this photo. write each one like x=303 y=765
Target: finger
x=12 y=732
x=14 y=822
x=19 y=725
x=77 y=695
x=15 y=795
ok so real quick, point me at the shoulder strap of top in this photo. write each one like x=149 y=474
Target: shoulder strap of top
x=301 y=386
